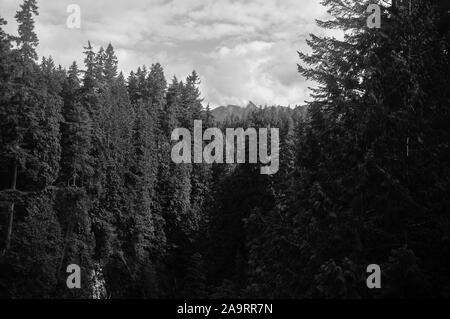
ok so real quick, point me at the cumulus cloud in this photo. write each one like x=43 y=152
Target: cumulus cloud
x=243 y=50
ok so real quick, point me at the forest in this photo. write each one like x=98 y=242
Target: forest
x=86 y=176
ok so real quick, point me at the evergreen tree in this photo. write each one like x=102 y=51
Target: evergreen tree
x=360 y=152
x=30 y=114
x=110 y=64
x=27 y=40
x=86 y=176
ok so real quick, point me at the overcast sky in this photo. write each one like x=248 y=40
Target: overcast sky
x=243 y=49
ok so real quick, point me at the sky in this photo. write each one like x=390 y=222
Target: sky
x=243 y=50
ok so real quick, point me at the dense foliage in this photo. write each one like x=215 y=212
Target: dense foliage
x=86 y=176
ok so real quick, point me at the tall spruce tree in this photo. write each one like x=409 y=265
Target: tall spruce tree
x=31 y=112
x=360 y=157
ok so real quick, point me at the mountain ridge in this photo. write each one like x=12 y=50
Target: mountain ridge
x=223 y=112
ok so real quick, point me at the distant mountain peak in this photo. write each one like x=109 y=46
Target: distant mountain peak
x=221 y=113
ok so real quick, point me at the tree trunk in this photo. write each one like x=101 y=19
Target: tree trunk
x=11 y=214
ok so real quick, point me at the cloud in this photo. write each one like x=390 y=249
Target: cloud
x=258 y=71
x=243 y=50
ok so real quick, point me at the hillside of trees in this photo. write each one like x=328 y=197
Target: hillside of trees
x=86 y=176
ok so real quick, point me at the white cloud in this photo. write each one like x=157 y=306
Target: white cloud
x=244 y=50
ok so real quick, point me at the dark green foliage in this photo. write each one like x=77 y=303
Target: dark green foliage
x=86 y=176
x=27 y=39
x=195 y=279
x=30 y=268
x=362 y=186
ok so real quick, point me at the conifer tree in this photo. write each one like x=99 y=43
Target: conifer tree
x=366 y=127
x=27 y=40
x=76 y=133
x=110 y=64
x=31 y=111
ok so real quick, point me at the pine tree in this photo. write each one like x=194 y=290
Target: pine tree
x=76 y=133
x=99 y=67
x=30 y=111
x=89 y=76
x=7 y=119
x=132 y=86
x=110 y=64
x=31 y=115
x=366 y=127
x=157 y=86
x=27 y=40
